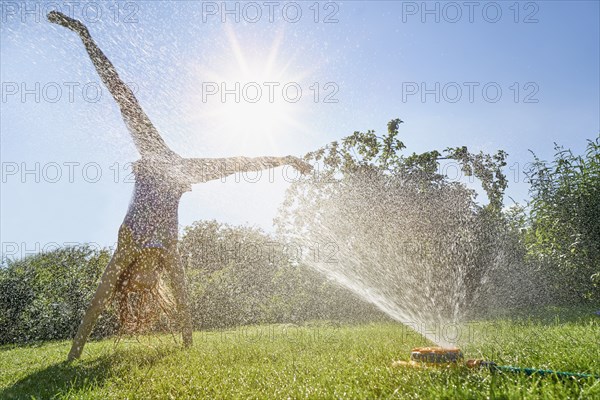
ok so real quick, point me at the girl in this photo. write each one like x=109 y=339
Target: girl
x=147 y=244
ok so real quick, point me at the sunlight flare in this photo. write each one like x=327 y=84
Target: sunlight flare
x=256 y=99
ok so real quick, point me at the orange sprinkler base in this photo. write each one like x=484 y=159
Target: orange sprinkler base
x=421 y=357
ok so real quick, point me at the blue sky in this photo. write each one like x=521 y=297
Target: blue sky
x=371 y=57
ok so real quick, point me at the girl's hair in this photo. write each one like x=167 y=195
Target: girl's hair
x=148 y=307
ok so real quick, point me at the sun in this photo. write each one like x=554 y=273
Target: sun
x=255 y=100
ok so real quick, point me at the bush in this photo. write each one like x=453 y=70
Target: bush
x=235 y=275
x=241 y=275
x=564 y=222
x=44 y=296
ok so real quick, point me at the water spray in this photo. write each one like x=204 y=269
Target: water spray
x=427 y=357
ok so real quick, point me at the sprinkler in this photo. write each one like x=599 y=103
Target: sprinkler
x=426 y=357
x=422 y=357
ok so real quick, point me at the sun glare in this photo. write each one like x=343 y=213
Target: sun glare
x=254 y=101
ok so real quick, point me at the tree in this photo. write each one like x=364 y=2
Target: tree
x=564 y=231
x=404 y=233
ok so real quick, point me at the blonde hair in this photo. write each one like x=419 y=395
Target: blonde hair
x=144 y=301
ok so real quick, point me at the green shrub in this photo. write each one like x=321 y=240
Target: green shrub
x=44 y=296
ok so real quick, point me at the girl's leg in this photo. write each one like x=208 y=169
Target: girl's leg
x=177 y=275
x=146 y=137
x=123 y=256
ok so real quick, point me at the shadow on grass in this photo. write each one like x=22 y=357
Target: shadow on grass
x=71 y=377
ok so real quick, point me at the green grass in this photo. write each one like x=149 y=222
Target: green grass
x=316 y=361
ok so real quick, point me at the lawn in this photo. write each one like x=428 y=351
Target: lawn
x=320 y=360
